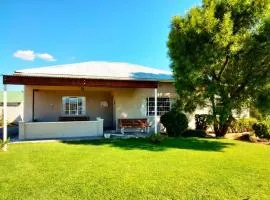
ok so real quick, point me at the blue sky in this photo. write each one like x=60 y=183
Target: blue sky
x=42 y=33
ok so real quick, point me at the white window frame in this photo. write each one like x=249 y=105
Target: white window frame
x=159 y=113
x=83 y=106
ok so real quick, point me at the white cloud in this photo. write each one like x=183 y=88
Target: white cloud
x=31 y=55
x=45 y=56
x=25 y=55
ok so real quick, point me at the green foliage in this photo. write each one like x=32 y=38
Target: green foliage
x=202 y=121
x=255 y=112
x=194 y=133
x=156 y=138
x=262 y=103
x=262 y=129
x=175 y=122
x=242 y=125
x=220 y=56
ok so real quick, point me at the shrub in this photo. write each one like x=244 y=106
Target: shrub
x=262 y=129
x=175 y=122
x=194 y=133
x=202 y=121
x=242 y=125
x=156 y=138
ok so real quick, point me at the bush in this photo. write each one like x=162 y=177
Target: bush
x=262 y=129
x=156 y=138
x=175 y=122
x=194 y=133
x=202 y=121
x=242 y=125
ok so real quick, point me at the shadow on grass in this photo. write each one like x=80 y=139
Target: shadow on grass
x=145 y=144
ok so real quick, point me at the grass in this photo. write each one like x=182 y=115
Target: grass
x=135 y=169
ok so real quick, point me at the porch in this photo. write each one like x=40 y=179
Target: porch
x=103 y=103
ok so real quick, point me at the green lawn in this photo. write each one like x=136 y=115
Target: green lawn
x=135 y=169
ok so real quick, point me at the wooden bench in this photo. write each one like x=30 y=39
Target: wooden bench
x=133 y=123
x=73 y=118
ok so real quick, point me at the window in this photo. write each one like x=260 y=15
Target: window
x=163 y=106
x=73 y=105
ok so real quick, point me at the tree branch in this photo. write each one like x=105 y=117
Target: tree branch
x=223 y=67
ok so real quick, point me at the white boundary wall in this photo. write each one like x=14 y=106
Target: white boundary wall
x=15 y=113
x=43 y=130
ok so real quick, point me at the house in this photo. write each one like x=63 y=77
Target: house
x=84 y=99
x=14 y=106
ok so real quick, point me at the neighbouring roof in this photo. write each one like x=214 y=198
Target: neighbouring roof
x=99 y=70
x=12 y=97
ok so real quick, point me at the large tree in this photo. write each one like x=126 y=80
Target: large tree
x=220 y=56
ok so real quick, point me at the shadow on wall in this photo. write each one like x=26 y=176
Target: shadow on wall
x=145 y=144
x=151 y=76
x=18 y=119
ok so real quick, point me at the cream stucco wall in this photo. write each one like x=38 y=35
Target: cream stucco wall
x=131 y=103
x=123 y=102
x=48 y=103
x=41 y=130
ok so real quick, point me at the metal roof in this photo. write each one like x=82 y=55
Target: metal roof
x=99 y=70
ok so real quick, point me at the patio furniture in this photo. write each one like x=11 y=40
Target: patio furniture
x=142 y=124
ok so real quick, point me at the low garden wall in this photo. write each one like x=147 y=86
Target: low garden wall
x=43 y=130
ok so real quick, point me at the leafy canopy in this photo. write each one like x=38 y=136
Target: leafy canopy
x=221 y=49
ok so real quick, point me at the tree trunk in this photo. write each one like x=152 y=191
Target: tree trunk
x=222 y=120
x=221 y=130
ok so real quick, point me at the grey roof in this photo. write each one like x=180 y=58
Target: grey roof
x=99 y=70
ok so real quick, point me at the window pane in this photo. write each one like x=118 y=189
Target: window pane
x=73 y=112
x=151 y=99
x=67 y=107
x=73 y=105
x=163 y=106
x=151 y=103
x=80 y=110
x=79 y=101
